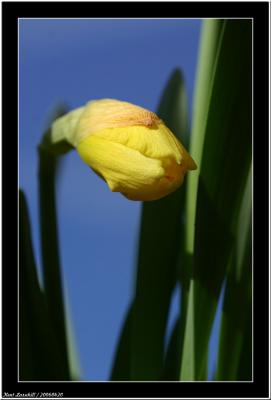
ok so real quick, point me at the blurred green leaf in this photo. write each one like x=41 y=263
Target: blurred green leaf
x=173 y=356
x=122 y=360
x=175 y=349
x=173 y=107
x=39 y=356
x=160 y=238
x=224 y=166
x=238 y=297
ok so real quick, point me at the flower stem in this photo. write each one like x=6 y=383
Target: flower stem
x=50 y=251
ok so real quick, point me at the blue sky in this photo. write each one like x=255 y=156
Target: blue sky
x=74 y=61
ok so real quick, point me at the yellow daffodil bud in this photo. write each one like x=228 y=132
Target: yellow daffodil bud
x=128 y=146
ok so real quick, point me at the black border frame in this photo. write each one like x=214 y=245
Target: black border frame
x=11 y=12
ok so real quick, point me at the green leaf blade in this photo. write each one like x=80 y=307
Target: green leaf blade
x=209 y=45
x=143 y=334
x=224 y=166
x=39 y=356
x=121 y=368
x=237 y=307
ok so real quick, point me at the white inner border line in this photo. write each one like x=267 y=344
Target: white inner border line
x=112 y=382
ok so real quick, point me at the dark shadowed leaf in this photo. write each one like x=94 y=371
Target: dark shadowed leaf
x=39 y=355
x=237 y=307
x=172 y=361
x=121 y=365
x=160 y=242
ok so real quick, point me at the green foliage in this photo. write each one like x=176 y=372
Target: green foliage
x=121 y=370
x=198 y=238
x=39 y=357
x=237 y=301
x=44 y=351
x=225 y=162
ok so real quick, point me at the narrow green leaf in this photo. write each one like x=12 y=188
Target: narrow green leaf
x=160 y=238
x=175 y=350
x=173 y=107
x=238 y=300
x=224 y=168
x=39 y=356
x=50 y=251
x=209 y=44
x=172 y=360
x=122 y=360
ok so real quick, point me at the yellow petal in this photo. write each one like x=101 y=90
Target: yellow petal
x=187 y=161
x=132 y=126
x=109 y=113
x=152 y=142
x=125 y=170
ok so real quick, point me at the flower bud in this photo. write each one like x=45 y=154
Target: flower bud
x=128 y=146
